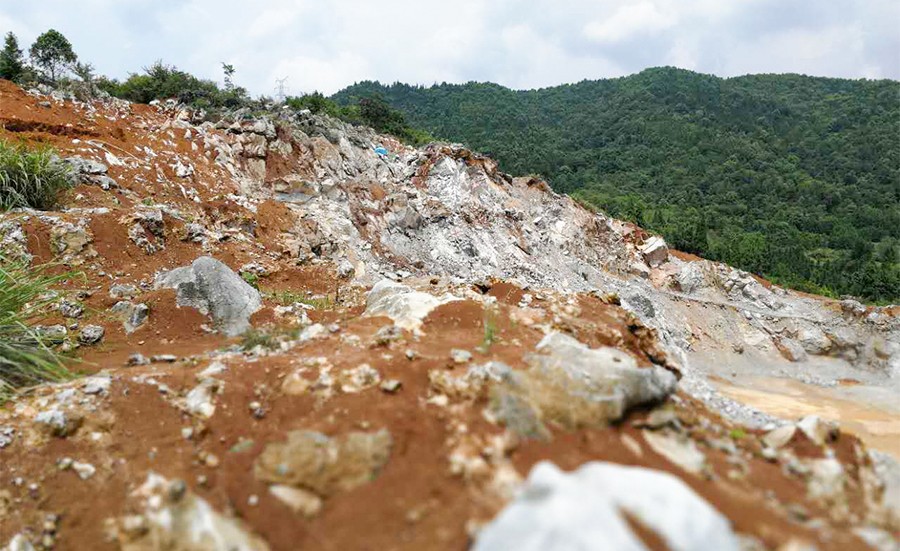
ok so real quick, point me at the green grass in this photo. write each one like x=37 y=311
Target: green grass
x=24 y=359
x=286 y=298
x=490 y=331
x=30 y=178
x=269 y=338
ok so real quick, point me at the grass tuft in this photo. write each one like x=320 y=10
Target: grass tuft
x=490 y=330
x=286 y=298
x=30 y=178
x=25 y=360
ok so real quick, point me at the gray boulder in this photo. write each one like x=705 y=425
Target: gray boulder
x=80 y=165
x=91 y=334
x=215 y=290
x=584 y=510
x=573 y=386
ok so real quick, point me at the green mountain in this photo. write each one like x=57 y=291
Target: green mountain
x=793 y=177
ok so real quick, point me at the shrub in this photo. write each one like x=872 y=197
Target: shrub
x=161 y=81
x=24 y=359
x=30 y=178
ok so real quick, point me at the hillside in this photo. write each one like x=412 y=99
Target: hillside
x=792 y=177
x=282 y=338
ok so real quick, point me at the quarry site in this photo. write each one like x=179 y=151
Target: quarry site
x=285 y=339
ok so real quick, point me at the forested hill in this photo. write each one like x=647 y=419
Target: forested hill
x=792 y=177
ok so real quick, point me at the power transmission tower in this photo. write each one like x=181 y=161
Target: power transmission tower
x=280 y=89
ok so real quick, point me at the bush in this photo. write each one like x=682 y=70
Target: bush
x=161 y=81
x=24 y=359
x=30 y=178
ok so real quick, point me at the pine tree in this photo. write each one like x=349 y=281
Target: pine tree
x=12 y=66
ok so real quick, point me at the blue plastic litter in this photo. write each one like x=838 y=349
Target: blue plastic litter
x=381 y=151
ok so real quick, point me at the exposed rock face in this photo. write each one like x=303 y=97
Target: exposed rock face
x=172 y=517
x=574 y=386
x=215 y=290
x=584 y=510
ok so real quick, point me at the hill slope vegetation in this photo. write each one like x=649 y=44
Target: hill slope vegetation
x=792 y=177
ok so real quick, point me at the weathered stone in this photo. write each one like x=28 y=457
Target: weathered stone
x=91 y=334
x=215 y=290
x=677 y=448
x=460 y=356
x=57 y=422
x=791 y=349
x=655 y=251
x=778 y=437
x=585 y=509
x=323 y=464
x=574 y=386
x=199 y=400
x=82 y=166
x=297 y=499
x=132 y=315
x=814 y=340
x=52 y=334
x=359 y=378
x=817 y=429
x=69 y=309
x=406 y=307
x=172 y=517
x=68 y=240
x=692 y=277
x=126 y=291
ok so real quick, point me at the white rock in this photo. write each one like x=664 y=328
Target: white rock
x=583 y=510
x=297 y=499
x=655 y=251
x=680 y=451
x=406 y=307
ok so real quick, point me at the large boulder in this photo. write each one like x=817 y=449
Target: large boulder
x=585 y=509
x=655 y=251
x=573 y=386
x=215 y=290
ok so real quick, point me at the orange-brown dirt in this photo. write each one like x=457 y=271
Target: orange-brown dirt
x=415 y=502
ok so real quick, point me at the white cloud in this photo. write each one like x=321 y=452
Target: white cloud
x=628 y=21
x=518 y=43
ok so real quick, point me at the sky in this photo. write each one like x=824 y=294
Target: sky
x=326 y=45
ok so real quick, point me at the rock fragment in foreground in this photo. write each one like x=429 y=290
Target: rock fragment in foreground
x=574 y=386
x=585 y=509
x=215 y=290
x=322 y=464
x=172 y=517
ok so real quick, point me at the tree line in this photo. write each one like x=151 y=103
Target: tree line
x=52 y=61
x=792 y=177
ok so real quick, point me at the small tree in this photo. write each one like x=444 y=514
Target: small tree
x=53 y=53
x=12 y=66
x=229 y=72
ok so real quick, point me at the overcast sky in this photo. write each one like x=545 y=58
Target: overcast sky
x=327 y=44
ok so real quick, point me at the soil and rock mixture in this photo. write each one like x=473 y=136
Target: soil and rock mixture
x=287 y=341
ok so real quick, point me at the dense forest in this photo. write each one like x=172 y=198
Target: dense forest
x=792 y=177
